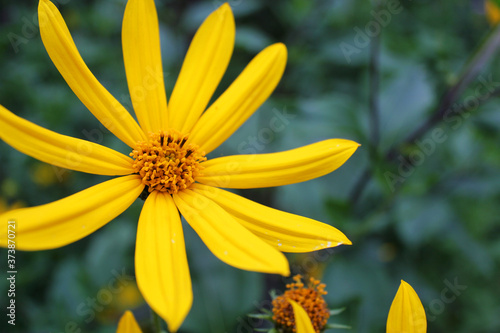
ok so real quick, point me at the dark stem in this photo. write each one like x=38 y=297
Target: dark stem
x=478 y=60
x=374 y=110
x=475 y=63
x=156 y=321
x=374 y=85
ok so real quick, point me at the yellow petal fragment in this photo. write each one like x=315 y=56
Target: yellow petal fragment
x=245 y=95
x=128 y=324
x=276 y=169
x=204 y=65
x=142 y=56
x=226 y=238
x=302 y=320
x=67 y=220
x=284 y=231
x=160 y=260
x=64 y=54
x=61 y=150
x=407 y=314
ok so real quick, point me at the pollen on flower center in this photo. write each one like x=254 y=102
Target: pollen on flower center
x=166 y=162
x=310 y=298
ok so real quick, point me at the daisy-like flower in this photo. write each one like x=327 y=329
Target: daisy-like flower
x=167 y=165
x=302 y=309
x=407 y=314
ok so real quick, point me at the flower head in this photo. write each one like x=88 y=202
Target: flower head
x=168 y=166
x=301 y=306
x=166 y=163
x=407 y=315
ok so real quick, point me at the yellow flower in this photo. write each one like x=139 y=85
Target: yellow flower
x=169 y=168
x=492 y=11
x=301 y=310
x=407 y=315
x=128 y=324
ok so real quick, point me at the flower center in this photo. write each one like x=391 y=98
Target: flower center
x=311 y=299
x=166 y=163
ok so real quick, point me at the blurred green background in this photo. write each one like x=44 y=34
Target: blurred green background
x=428 y=213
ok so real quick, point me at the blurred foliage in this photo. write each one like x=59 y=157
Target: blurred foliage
x=438 y=225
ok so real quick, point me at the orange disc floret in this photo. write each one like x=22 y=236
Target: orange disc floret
x=310 y=298
x=166 y=162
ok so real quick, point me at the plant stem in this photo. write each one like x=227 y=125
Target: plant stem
x=474 y=64
x=374 y=85
x=156 y=321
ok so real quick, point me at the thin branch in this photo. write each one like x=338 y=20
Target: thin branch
x=374 y=110
x=475 y=63
x=359 y=187
x=486 y=49
x=374 y=84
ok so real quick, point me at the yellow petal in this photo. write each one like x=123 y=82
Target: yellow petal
x=128 y=324
x=142 y=56
x=226 y=238
x=407 y=315
x=302 y=320
x=61 y=150
x=252 y=87
x=276 y=169
x=64 y=54
x=284 y=231
x=205 y=63
x=160 y=260
x=67 y=220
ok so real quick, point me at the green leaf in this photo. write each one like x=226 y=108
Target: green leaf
x=269 y=312
x=273 y=294
x=337 y=326
x=334 y=312
x=259 y=315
